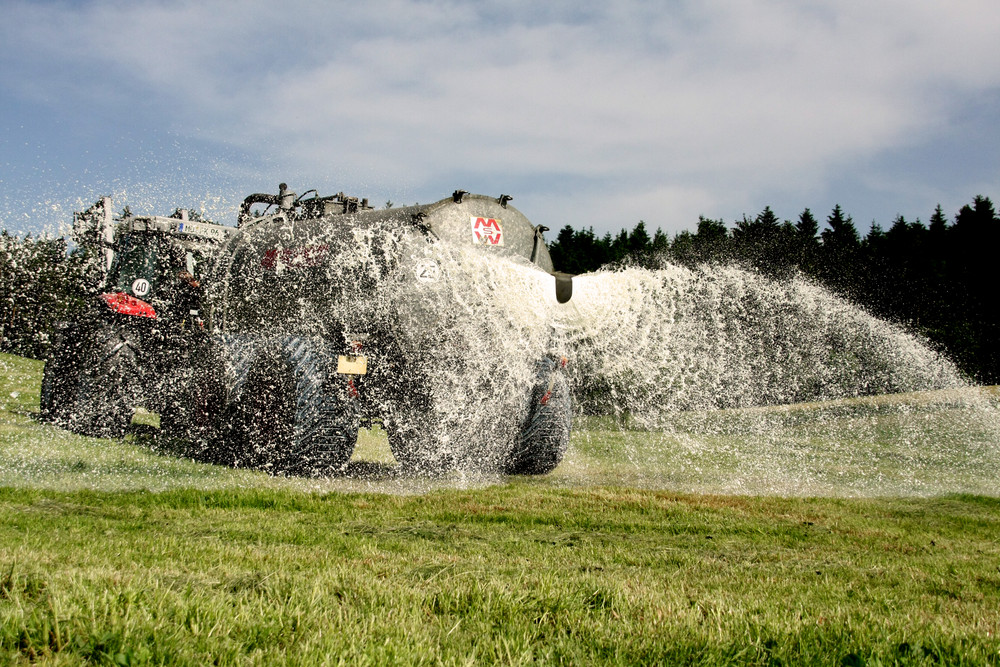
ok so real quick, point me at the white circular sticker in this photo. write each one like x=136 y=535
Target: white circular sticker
x=427 y=271
x=140 y=287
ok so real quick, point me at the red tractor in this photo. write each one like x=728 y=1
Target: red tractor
x=140 y=329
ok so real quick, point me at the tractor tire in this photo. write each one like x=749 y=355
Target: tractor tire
x=545 y=433
x=107 y=386
x=295 y=415
x=60 y=377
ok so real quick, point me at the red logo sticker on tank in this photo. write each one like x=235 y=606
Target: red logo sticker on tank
x=301 y=257
x=486 y=231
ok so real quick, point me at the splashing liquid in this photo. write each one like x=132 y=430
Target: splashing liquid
x=720 y=380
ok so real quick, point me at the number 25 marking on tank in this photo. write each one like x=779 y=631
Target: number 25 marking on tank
x=428 y=271
x=140 y=287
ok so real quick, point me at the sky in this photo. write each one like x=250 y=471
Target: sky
x=591 y=114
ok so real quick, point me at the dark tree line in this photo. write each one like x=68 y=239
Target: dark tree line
x=938 y=278
x=41 y=283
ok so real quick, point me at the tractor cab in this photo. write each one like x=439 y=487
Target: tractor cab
x=153 y=264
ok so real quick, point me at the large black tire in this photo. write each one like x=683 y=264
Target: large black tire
x=61 y=376
x=294 y=414
x=545 y=433
x=109 y=379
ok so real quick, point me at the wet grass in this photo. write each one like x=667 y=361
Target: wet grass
x=920 y=444
x=196 y=565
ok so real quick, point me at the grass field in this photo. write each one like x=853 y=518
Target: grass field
x=113 y=554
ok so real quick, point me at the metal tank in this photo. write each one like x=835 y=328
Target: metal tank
x=324 y=309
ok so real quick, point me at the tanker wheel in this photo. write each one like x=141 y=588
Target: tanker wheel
x=295 y=415
x=107 y=385
x=60 y=377
x=545 y=433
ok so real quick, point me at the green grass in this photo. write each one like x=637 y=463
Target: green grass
x=113 y=554
x=513 y=574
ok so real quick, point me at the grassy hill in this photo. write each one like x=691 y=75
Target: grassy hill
x=114 y=554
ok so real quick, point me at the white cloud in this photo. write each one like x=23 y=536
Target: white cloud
x=715 y=101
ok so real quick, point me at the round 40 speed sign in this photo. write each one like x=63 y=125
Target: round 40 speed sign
x=140 y=287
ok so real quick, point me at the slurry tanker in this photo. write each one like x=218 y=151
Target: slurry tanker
x=319 y=315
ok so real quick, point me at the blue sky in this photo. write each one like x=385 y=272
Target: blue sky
x=590 y=113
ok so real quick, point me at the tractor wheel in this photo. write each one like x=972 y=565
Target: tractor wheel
x=107 y=386
x=60 y=377
x=295 y=415
x=545 y=433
